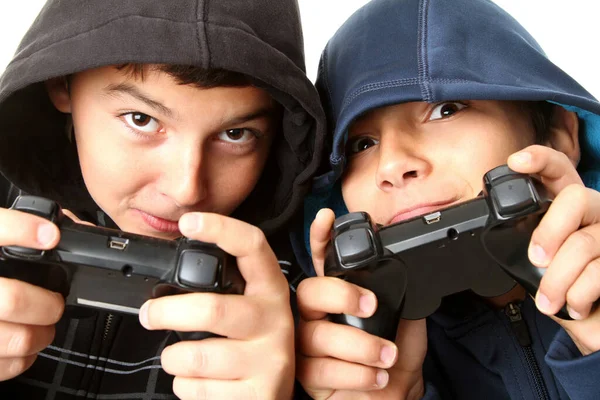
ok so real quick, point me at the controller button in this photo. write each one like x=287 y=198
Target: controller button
x=22 y=252
x=198 y=269
x=345 y=221
x=36 y=205
x=512 y=197
x=354 y=246
x=500 y=173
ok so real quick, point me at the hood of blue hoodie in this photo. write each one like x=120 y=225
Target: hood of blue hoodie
x=260 y=38
x=396 y=51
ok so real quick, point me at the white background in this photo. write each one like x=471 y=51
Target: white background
x=567 y=30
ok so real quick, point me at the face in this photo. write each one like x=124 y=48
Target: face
x=151 y=150
x=409 y=159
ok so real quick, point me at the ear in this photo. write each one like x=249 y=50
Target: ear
x=564 y=134
x=58 y=90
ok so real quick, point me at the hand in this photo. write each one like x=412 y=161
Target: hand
x=342 y=362
x=255 y=358
x=28 y=313
x=567 y=244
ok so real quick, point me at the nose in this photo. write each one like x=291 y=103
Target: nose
x=182 y=178
x=400 y=162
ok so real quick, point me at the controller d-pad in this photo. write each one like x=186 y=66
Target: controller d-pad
x=512 y=197
x=198 y=269
x=354 y=246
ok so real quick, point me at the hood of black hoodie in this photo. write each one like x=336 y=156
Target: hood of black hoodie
x=260 y=38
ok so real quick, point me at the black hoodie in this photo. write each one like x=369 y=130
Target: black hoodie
x=110 y=356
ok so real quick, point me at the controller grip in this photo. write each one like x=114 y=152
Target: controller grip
x=388 y=280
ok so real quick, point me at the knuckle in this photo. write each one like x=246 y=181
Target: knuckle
x=257 y=239
x=198 y=361
x=12 y=300
x=213 y=310
x=349 y=299
x=21 y=342
x=582 y=242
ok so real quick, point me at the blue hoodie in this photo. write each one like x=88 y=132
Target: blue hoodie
x=396 y=51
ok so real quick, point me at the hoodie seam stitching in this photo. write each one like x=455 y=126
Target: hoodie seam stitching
x=379 y=85
x=205 y=23
x=422 y=49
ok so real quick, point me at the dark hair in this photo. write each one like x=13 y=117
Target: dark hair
x=191 y=75
x=541 y=114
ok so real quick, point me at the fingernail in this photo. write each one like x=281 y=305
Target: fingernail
x=366 y=303
x=382 y=378
x=537 y=255
x=144 y=315
x=543 y=303
x=190 y=223
x=523 y=157
x=388 y=355
x=46 y=233
x=574 y=314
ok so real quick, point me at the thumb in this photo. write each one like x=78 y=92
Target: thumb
x=319 y=238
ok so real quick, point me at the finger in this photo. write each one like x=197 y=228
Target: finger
x=554 y=167
x=585 y=291
x=575 y=206
x=567 y=266
x=190 y=388
x=256 y=261
x=320 y=233
x=411 y=339
x=584 y=333
x=75 y=218
x=23 y=229
x=326 y=339
x=329 y=373
x=201 y=312
x=17 y=340
x=317 y=297
x=23 y=303
x=210 y=359
x=12 y=367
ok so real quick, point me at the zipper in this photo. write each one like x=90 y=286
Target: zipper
x=107 y=325
x=521 y=332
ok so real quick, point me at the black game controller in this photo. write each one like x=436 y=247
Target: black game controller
x=118 y=271
x=480 y=245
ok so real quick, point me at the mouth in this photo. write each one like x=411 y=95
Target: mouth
x=160 y=224
x=419 y=210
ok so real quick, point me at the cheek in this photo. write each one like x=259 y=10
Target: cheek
x=231 y=181
x=358 y=184
x=109 y=168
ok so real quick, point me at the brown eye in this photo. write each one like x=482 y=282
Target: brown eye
x=142 y=122
x=238 y=135
x=444 y=110
x=358 y=144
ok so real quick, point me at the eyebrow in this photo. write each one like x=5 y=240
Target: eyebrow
x=125 y=88
x=265 y=112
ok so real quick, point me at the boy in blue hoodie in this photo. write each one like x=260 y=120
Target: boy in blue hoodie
x=423 y=98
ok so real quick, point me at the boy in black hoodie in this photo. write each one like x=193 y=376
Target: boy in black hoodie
x=423 y=98
x=157 y=118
